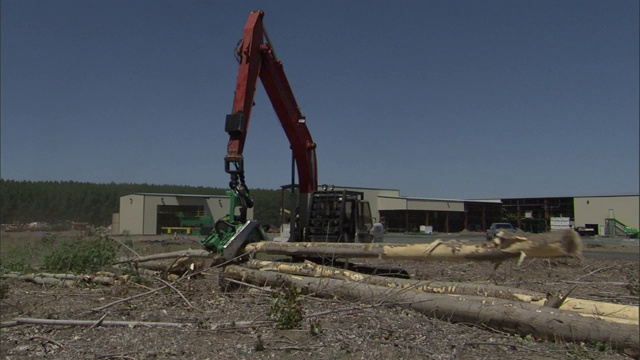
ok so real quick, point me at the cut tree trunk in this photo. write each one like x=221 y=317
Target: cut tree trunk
x=219 y=326
x=175 y=262
x=61 y=279
x=21 y=321
x=608 y=311
x=556 y=244
x=177 y=266
x=168 y=255
x=513 y=317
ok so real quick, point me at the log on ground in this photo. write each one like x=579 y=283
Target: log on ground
x=513 y=317
x=609 y=311
x=61 y=279
x=189 y=253
x=556 y=244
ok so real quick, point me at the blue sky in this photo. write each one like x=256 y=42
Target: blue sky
x=445 y=99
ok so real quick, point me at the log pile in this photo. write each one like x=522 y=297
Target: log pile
x=588 y=308
x=511 y=310
x=505 y=315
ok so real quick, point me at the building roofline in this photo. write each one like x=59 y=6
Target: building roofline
x=556 y=197
x=178 y=195
x=489 y=201
x=359 y=187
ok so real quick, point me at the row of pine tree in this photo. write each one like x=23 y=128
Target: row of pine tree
x=59 y=201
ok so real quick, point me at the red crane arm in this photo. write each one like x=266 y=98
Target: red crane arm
x=257 y=59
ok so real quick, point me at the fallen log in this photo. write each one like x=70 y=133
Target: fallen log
x=61 y=279
x=31 y=321
x=175 y=262
x=175 y=266
x=40 y=280
x=189 y=253
x=556 y=244
x=606 y=311
x=513 y=317
x=101 y=322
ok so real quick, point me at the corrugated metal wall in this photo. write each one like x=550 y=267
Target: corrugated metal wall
x=595 y=209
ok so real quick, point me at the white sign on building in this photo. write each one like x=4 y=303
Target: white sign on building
x=560 y=223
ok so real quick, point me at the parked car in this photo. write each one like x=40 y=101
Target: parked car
x=493 y=230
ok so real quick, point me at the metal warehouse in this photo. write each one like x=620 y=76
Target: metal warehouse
x=150 y=214
x=597 y=215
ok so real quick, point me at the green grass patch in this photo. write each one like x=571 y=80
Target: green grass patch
x=23 y=253
x=32 y=252
x=82 y=255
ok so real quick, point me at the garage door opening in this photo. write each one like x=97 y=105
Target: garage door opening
x=183 y=220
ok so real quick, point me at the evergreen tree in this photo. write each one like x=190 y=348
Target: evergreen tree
x=55 y=201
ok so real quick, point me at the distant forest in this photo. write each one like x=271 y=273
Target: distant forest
x=57 y=201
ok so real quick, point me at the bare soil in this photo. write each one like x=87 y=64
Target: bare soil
x=346 y=331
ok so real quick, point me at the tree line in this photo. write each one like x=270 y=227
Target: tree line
x=56 y=201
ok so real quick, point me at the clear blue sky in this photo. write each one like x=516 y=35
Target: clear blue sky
x=445 y=99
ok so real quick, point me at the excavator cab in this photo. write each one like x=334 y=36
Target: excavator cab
x=338 y=216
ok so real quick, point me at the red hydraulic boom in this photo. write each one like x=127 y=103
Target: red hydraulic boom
x=258 y=59
x=320 y=215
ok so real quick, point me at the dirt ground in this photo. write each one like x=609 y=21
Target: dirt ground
x=345 y=330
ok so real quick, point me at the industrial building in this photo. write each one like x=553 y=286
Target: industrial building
x=598 y=215
x=146 y=214
x=150 y=213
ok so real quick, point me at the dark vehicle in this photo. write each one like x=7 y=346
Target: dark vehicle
x=493 y=230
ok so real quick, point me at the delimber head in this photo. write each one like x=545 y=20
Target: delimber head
x=247 y=233
x=228 y=240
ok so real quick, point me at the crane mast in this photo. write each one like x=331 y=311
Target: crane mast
x=321 y=215
x=257 y=59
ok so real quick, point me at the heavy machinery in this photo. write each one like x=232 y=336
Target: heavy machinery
x=322 y=214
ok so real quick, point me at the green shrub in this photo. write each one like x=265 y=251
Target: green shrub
x=17 y=265
x=82 y=255
x=287 y=308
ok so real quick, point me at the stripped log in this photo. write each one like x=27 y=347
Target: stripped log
x=606 y=311
x=513 y=317
x=557 y=244
x=177 y=266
